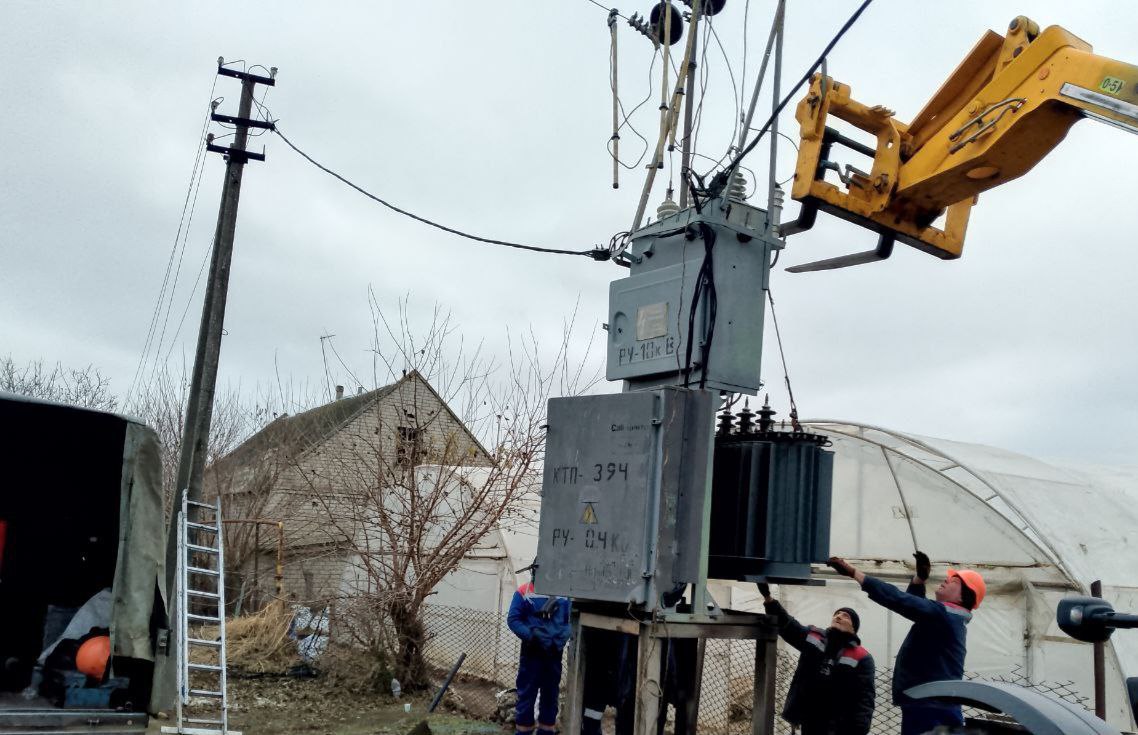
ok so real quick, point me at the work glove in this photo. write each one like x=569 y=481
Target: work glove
x=923 y=565
x=841 y=566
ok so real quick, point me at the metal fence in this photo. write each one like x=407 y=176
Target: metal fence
x=483 y=689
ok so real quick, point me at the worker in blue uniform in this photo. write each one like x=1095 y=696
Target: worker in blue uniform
x=542 y=624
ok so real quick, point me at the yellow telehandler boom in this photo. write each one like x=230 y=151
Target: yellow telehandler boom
x=1010 y=101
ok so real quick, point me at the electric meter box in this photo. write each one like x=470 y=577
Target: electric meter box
x=626 y=477
x=650 y=311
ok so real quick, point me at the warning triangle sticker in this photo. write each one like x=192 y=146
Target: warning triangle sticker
x=590 y=515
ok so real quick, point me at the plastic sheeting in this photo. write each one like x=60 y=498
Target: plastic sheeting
x=95 y=613
x=140 y=573
x=1036 y=530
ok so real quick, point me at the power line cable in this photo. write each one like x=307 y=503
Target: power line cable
x=754 y=176
x=731 y=75
x=794 y=143
x=263 y=112
x=602 y=7
x=692 y=138
x=743 y=78
x=785 y=372
x=189 y=302
x=595 y=254
x=722 y=178
x=704 y=76
x=627 y=115
x=177 y=273
x=199 y=163
x=343 y=364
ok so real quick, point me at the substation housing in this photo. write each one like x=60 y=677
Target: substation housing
x=627 y=476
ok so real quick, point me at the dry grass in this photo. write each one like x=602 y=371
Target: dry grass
x=260 y=642
x=257 y=642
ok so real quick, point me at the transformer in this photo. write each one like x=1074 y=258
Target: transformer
x=770 y=505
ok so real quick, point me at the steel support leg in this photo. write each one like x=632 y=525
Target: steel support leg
x=648 y=692
x=575 y=681
x=766 y=668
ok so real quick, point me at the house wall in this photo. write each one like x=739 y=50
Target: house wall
x=310 y=576
x=320 y=495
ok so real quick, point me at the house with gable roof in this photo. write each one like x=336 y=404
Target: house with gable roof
x=304 y=472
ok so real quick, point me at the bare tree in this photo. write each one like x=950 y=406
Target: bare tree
x=245 y=480
x=237 y=415
x=407 y=499
x=85 y=387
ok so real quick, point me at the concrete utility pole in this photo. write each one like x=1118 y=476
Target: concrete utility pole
x=199 y=405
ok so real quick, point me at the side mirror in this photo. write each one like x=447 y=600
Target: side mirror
x=1085 y=618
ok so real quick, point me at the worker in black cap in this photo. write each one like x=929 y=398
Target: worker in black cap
x=832 y=692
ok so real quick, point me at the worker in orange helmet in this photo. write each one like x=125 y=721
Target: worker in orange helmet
x=935 y=646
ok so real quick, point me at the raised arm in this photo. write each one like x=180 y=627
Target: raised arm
x=886 y=595
x=789 y=629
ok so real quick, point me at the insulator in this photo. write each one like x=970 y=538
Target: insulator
x=778 y=196
x=737 y=190
x=745 y=419
x=708 y=7
x=726 y=423
x=657 y=23
x=765 y=414
x=636 y=20
x=667 y=207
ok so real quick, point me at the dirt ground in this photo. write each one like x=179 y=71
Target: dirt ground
x=279 y=704
x=339 y=701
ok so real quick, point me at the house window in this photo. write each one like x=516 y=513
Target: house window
x=409 y=446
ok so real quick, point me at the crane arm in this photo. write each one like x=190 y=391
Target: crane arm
x=1004 y=108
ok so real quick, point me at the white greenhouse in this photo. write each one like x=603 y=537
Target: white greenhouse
x=1037 y=531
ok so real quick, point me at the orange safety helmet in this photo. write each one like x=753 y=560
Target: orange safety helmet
x=93 y=656
x=972 y=580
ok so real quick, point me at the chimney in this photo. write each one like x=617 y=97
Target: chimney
x=339 y=392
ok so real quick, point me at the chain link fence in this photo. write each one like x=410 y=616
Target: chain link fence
x=484 y=687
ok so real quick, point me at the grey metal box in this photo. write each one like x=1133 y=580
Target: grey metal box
x=625 y=481
x=650 y=310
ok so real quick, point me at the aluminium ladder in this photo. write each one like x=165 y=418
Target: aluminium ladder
x=201 y=678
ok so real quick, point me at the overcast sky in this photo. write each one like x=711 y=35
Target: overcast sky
x=493 y=117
